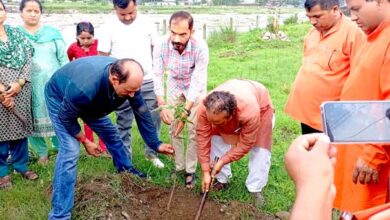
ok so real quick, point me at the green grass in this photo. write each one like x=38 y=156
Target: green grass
x=274 y=64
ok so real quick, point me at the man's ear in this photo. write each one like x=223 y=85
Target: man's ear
x=114 y=79
x=192 y=31
x=335 y=8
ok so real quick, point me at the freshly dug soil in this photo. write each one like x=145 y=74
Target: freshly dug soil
x=131 y=198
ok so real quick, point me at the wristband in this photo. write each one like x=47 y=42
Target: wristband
x=188 y=112
x=21 y=82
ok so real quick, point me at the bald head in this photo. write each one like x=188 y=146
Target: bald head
x=123 y=68
x=126 y=76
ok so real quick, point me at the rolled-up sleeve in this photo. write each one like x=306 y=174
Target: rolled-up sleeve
x=199 y=75
x=203 y=138
x=158 y=70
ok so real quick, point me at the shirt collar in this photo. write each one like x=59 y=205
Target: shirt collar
x=373 y=35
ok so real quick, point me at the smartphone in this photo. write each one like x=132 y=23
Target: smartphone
x=356 y=121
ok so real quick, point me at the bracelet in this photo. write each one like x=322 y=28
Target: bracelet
x=188 y=112
x=21 y=82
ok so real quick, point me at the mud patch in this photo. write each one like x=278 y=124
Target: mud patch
x=126 y=197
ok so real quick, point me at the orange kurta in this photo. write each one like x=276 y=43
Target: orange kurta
x=325 y=67
x=369 y=80
x=250 y=126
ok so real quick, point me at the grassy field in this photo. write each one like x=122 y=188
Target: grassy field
x=231 y=56
x=69 y=7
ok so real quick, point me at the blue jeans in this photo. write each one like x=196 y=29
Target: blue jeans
x=65 y=171
x=19 y=155
x=125 y=118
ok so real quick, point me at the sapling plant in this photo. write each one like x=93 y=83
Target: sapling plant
x=179 y=115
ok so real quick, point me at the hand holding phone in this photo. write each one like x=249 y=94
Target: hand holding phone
x=357 y=121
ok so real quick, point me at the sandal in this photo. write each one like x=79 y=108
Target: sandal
x=5 y=182
x=29 y=175
x=190 y=179
x=218 y=186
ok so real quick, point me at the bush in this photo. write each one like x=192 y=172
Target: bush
x=291 y=20
x=272 y=24
x=223 y=36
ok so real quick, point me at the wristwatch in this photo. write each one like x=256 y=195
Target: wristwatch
x=188 y=112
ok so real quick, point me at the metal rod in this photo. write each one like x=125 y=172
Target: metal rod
x=203 y=201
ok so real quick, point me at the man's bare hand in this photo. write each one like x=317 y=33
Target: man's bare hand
x=166 y=116
x=217 y=168
x=92 y=148
x=179 y=125
x=166 y=149
x=206 y=181
x=364 y=173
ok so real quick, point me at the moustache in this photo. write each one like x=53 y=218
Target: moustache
x=177 y=44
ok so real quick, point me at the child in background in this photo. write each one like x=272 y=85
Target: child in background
x=85 y=46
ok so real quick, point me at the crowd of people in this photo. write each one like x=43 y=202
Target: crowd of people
x=45 y=88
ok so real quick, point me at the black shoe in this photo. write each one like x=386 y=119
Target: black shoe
x=137 y=173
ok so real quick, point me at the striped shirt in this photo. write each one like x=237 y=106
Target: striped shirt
x=187 y=72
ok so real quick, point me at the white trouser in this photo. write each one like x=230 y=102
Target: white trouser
x=259 y=164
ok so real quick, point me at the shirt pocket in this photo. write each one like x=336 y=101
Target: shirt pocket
x=187 y=68
x=331 y=59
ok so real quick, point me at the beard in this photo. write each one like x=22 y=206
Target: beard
x=179 y=46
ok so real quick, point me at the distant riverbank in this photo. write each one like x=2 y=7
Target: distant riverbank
x=241 y=22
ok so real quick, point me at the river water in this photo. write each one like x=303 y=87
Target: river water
x=213 y=22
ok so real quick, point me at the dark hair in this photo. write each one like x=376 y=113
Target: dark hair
x=23 y=4
x=182 y=15
x=85 y=26
x=117 y=69
x=324 y=4
x=221 y=101
x=123 y=3
x=3 y=5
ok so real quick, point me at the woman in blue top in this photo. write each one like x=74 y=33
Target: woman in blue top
x=50 y=55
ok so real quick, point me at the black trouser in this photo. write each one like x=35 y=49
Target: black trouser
x=306 y=129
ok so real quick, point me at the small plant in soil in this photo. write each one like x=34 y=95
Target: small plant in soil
x=179 y=115
x=178 y=110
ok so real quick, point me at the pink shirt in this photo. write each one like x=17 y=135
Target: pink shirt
x=187 y=72
x=250 y=126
